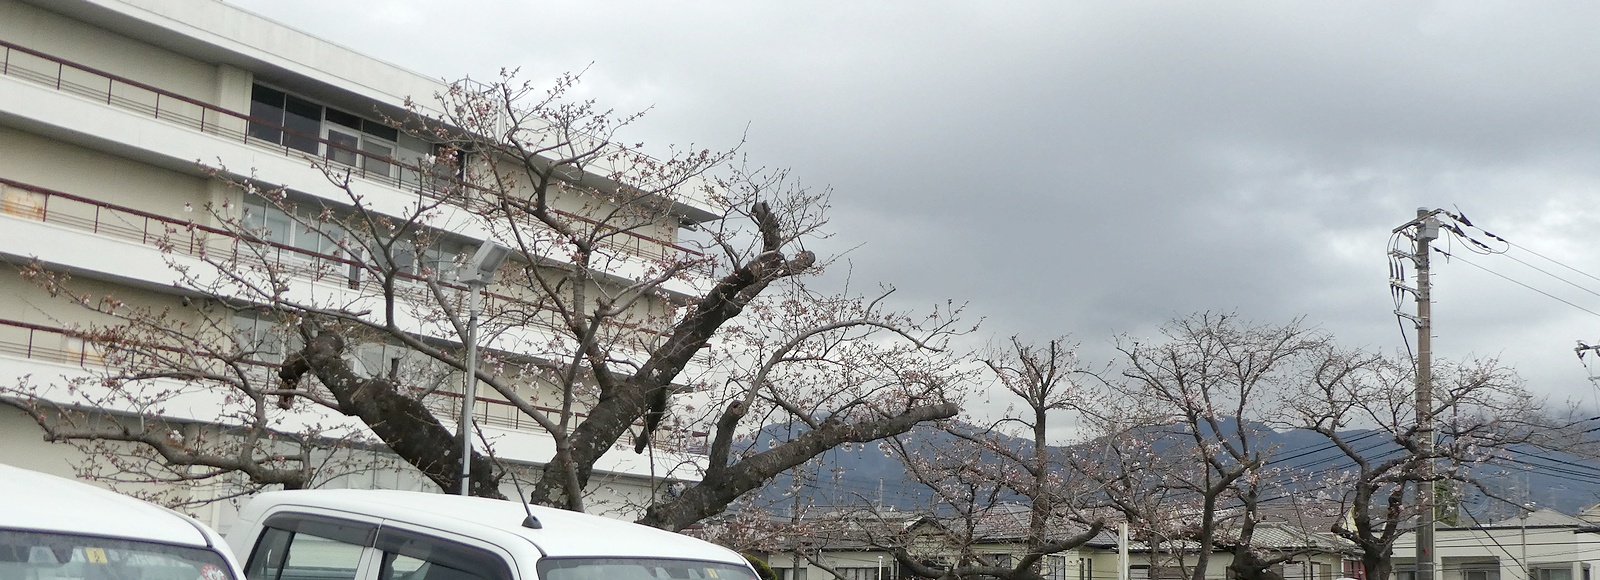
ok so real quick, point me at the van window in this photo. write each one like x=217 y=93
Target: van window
x=308 y=548
x=57 y=556
x=639 y=569
x=412 y=556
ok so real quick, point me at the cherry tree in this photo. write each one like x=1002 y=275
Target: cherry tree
x=321 y=318
x=1364 y=406
x=1006 y=480
x=1203 y=393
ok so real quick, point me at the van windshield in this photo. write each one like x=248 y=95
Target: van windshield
x=639 y=569
x=29 y=555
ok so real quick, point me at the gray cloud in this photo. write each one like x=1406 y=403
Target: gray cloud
x=1098 y=167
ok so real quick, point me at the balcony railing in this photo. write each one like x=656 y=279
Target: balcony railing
x=201 y=241
x=117 y=91
x=30 y=341
x=38 y=342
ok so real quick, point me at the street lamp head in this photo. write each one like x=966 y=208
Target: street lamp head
x=479 y=270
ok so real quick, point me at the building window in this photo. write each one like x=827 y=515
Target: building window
x=1562 y=573
x=285 y=119
x=309 y=230
x=375 y=359
x=873 y=573
x=349 y=133
x=1055 y=567
x=281 y=118
x=323 y=242
x=262 y=337
x=342 y=147
x=1085 y=569
x=1491 y=574
x=22 y=203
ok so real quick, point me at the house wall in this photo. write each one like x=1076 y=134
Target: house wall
x=1316 y=566
x=1508 y=553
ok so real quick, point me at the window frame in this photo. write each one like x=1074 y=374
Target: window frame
x=351 y=532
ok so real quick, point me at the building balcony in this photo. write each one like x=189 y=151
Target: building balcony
x=386 y=182
x=24 y=346
x=143 y=248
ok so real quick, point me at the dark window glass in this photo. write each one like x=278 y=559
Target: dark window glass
x=411 y=556
x=405 y=257
x=266 y=562
x=308 y=548
x=380 y=130
x=373 y=162
x=266 y=95
x=303 y=119
x=643 y=569
x=266 y=113
x=40 y=555
x=343 y=118
x=343 y=147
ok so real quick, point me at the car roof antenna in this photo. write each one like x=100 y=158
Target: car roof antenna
x=529 y=522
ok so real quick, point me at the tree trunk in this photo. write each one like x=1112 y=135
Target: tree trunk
x=403 y=423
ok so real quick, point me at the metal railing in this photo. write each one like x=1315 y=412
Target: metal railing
x=117 y=91
x=39 y=342
x=31 y=341
x=206 y=242
x=57 y=344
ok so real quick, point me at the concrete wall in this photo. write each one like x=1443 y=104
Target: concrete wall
x=77 y=170
x=107 y=51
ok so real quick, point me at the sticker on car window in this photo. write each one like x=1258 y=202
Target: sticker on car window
x=209 y=572
x=94 y=555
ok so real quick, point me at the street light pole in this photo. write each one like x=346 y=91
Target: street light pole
x=479 y=273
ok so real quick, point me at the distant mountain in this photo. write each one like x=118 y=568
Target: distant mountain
x=865 y=474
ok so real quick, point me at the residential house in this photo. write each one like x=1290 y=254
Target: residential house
x=1542 y=544
x=855 y=541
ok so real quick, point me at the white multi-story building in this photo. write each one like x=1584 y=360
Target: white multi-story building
x=122 y=121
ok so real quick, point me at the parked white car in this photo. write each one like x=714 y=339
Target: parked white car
x=53 y=528
x=398 y=535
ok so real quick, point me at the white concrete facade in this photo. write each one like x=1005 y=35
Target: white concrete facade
x=109 y=108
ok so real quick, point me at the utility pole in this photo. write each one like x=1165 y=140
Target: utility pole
x=1122 y=551
x=1427 y=230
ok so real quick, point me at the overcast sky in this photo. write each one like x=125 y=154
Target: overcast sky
x=1095 y=168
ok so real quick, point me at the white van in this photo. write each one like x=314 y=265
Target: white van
x=400 y=535
x=53 y=528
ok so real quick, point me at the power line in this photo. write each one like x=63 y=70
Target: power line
x=1542 y=271
x=1592 y=472
x=1554 y=261
x=1331 y=446
x=1509 y=279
